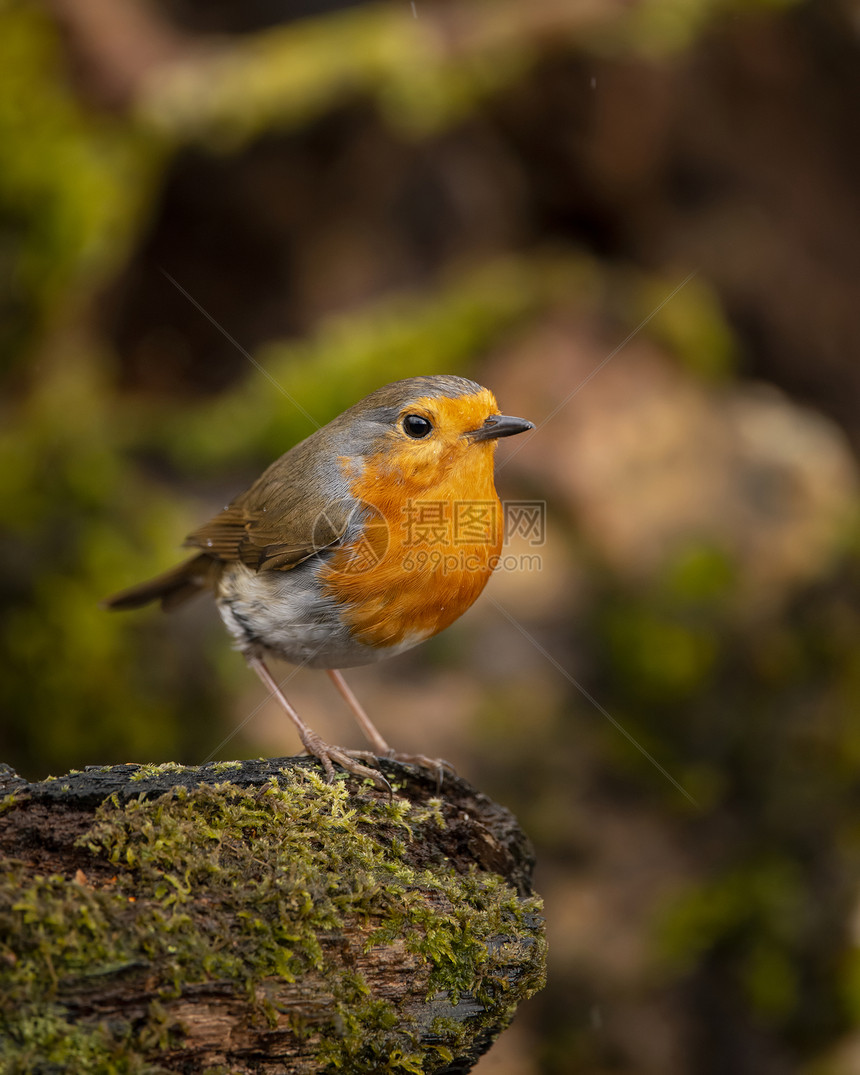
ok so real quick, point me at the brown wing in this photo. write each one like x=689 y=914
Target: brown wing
x=172 y=588
x=275 y=525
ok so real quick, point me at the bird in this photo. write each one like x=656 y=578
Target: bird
x=371 y=535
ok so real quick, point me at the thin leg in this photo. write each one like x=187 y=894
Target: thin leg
x=382 y=749
x=364 y=722
x=312 y=743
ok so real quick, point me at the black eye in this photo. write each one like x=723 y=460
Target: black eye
x=417 y=427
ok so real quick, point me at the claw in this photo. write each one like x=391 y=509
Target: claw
x=312 y=743
x=328 y=755
x=438 y=766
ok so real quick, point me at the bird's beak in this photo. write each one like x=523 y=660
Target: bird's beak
x=499 y=425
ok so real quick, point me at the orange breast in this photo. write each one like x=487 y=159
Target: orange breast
x=427 y=555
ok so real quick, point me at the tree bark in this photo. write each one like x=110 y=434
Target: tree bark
x=248 y=917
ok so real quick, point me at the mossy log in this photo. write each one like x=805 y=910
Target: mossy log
x=249 y=917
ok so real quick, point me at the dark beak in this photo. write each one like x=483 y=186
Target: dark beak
x=499 y=425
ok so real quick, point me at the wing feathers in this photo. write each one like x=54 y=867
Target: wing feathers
x=272 y=527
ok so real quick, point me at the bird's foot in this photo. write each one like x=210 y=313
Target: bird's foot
x=438 y=766
x=347 y=759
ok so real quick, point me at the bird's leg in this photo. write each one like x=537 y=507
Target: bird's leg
x=312 y=742
x=364 y=722
x=380 y=746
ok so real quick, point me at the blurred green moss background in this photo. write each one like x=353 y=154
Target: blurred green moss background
x=636 y=223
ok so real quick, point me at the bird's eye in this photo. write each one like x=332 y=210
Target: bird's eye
x=417 y=427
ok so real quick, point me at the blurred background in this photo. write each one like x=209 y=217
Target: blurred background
x=637 y=221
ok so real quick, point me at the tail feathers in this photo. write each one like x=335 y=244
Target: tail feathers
x=172 y=588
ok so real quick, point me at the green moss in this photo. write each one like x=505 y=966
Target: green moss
x=225 y=766
x=145 y=772
x=9 y=802
x=280 y=867
x=47 y=1041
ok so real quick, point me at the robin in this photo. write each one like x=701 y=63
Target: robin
x=370 y=536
